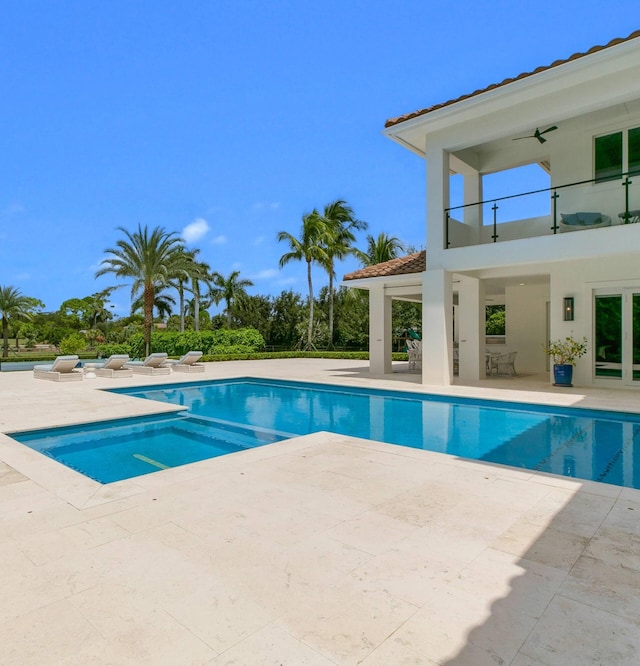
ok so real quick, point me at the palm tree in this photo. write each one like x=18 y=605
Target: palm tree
x=200 y=272
x=310 y=247
x=151 y=260
x=340 y=222
x=381 y=249
x=195 y=272
x=14 y=305
x=229 y=289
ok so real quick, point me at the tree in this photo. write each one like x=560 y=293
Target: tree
x=340 y=222
x=151 y=260
x=381 y=249
x=195 y=272
x=310 y=247
x=15 y=305
x=228 y=289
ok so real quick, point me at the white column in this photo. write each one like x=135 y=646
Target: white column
x=380 y=337
x=473 y=214
x=437 y=328
x=437 y=161
x=471 y=328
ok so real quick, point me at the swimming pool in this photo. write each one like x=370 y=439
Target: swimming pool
x=225 y=416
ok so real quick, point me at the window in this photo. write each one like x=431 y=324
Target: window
x=617 y=153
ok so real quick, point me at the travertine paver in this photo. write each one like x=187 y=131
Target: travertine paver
x=322 y=550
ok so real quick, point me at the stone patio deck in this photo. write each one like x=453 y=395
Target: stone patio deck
x=321 y=550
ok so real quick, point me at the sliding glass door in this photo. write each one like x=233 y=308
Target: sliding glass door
x=617 y=336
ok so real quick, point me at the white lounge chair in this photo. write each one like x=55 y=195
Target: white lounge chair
x=152 y=365
x=63 y=369
x=114 y=367
x=188 y=363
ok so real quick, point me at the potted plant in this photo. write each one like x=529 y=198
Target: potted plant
x=564 y=354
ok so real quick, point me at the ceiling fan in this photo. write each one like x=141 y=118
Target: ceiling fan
x=537 y=134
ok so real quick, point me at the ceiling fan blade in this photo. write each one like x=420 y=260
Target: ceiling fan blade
x=540 y=138
x=517 y=138
x=549 y=129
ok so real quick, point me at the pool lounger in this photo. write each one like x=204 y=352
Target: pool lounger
x=114 y=367
x=188 y=363
x=63 y=369
x=152 y=365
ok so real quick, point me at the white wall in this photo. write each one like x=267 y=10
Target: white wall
x=526 y=326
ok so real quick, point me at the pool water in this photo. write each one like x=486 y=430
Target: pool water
x=226 y=416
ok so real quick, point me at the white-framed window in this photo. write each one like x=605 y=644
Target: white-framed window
x=617 y=153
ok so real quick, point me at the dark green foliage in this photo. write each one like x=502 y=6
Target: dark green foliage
x=104 y=351
x=496 y=320
x=222 y=341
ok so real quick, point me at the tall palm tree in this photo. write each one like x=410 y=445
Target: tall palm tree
x=14 y=305
x=195 y=272
x=150 y=260
x=229 y=290
x=381 y=249
x=340 y=222
x=200 y=273
x=310 y=247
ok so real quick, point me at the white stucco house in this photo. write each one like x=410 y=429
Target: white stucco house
x=563 y=261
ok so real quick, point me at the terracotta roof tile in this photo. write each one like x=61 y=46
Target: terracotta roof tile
x=408 y=116
x=412 y=263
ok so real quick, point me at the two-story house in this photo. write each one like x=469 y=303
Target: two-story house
x=564 y=260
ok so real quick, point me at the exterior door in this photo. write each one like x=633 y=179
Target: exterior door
x=617 y=336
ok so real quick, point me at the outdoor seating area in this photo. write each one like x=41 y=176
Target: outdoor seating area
x=70 y=368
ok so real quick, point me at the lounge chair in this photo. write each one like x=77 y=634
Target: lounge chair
x=504 y=364
x=152 y=365
x=63 y=369
x=114 y=367
x=188 y=363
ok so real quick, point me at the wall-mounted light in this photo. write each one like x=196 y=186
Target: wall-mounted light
x=568 y=309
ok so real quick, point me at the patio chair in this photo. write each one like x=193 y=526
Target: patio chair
x=113 y=367
x=414 y=350
x=504 y=364
x=63 y=369
x=188 y=363
x=152 y=365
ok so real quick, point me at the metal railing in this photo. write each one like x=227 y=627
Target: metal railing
x=628 y=215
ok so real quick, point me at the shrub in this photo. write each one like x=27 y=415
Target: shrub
x=221 y=341
x=104 y=351
x=73 y=344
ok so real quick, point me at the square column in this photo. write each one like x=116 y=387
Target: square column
x=471 y=327
x=473 y=214
x=380 y=334
x=437 y=328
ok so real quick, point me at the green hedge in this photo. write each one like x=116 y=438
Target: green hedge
x=361 y=355
x=221 y=341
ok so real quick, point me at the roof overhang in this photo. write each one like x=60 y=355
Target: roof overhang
x=577 y=86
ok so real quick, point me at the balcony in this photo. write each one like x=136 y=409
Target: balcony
x=579 y=206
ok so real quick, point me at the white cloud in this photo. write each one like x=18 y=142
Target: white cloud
x=265 y=274
x=236 y=266
x=196 y=230
x=219 y=240
x=21 y=277
x=258 y=240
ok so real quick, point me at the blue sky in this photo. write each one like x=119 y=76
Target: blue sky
x=227 y=121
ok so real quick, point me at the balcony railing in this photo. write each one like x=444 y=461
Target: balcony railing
x=585 y=204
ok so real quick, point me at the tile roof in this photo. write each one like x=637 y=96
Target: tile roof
x=412 y=263
x=408 y=116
